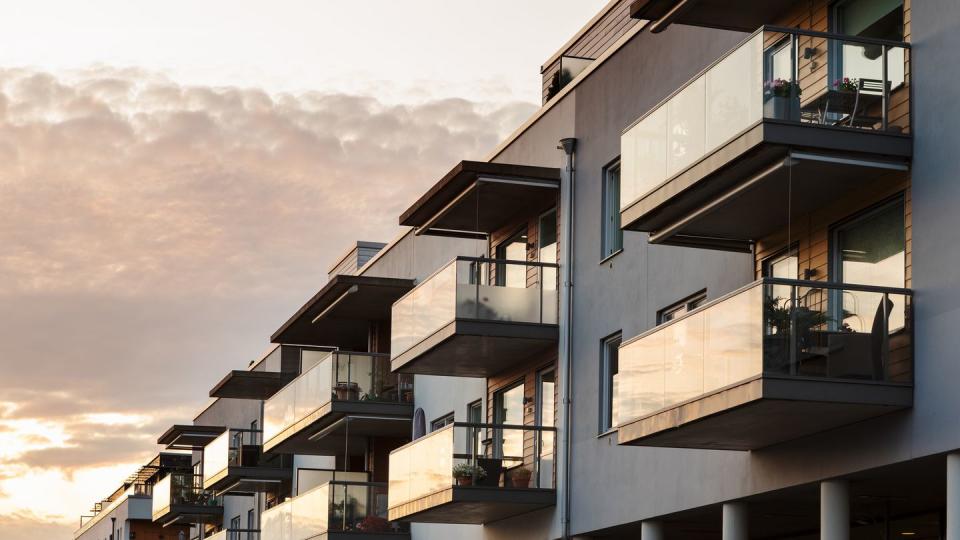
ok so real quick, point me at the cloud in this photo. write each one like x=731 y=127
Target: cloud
x=155 y=234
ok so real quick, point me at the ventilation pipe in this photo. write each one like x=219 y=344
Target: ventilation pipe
x=567 y=215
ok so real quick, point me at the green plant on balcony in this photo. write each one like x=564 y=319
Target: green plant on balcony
x=784 y=321
x=374 y=524
x=465 y=473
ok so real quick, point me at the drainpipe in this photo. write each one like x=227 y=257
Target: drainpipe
x=567 y=215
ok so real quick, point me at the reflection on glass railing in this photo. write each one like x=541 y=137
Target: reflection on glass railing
x=475 y=289
x=787 y=75
x=233 y=448
x=238 y=534
x=181 y=489
x=336 y=506
x=466 y=455
x=338 y=376
x=773 y=327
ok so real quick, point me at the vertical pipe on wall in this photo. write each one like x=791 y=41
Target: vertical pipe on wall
x=568 y=145
x=735 y=521
x=652 y=530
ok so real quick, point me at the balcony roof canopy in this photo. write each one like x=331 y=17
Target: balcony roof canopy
x=339 y=315
x=740 y=15
x=244 y=384
x=189 y=437
x=476 y=198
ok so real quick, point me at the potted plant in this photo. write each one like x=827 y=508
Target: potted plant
x=520 y=477
x=782 y=100
x=464 y=473
x=374 y=524
x=347 y=391
x=780 y=315
x=846 y=84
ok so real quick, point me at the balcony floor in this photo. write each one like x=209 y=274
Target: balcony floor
x=473 y=505
x=765 y=411
x=327 y=426
x=470 y=348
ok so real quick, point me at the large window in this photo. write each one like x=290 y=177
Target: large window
x=881 y=19
x=513 y=249
x=784 y=265
x=612 y=234
x=870 y=250
x=609 y=369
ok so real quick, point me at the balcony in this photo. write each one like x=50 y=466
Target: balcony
x=768 y=131
x=475 y=317
x=473 y=474
x=773 y=361
x=343 y=394
x=334 y=510
x=234 y=464
x=179 y=499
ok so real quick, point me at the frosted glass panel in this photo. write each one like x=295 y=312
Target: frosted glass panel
x=685 y=127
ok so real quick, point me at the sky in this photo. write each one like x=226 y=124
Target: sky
x=176 y=177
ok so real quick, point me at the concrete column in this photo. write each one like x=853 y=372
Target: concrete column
x=651 y=530
x=735 y=521
x=834 y=510
x=953 y=496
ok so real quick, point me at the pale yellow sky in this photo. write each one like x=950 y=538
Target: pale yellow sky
x=176 y=177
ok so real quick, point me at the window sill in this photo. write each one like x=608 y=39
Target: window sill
x=606 y=259
x=611 y=431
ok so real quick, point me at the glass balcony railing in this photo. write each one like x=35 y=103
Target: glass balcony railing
x=181 y=489
x=233 y=448
x=467 y=455
x=336 y=376
x=786 y=75
x=238 y=534
x=475 y=289
x=336 y=506
x=773 y=327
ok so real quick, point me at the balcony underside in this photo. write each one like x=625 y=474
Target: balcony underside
x=742 y=191
x=247 y=480
x=473 y=505
x=356 y=535
x=243 y=384
x=740 y=15
x=763 y=412
x=183 y=514
x=327 y=429
x=468 y=348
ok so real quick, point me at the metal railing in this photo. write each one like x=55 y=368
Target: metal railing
x=103 y=508
x=771 y=328
x=463 y=454
x=337 y=376
x=237 y=534
x=181 y=489
x=479 y=289
x=781 y=74
x=336 y=506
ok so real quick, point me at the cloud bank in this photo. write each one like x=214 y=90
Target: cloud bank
x=155 y=234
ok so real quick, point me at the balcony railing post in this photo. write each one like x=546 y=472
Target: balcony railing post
x=794 y=339
x=885 y=340
x=885 y=100
x=540 y=292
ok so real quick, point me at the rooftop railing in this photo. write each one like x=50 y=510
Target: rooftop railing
x=467 y=454
x=780 y=74
x=336 y=376
x=478 y=289
x=770 y=328
x=104 y=508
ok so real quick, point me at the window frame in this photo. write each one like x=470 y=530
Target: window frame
x=699 y=298
x=607 y=397
x=611 y=234
x=442 y=421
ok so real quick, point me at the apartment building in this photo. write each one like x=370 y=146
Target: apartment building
x=706 y=291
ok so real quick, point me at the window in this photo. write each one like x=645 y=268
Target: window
x=778 y=63
x=609 y=369
x=512 y=249
x=475 y=412
x=612 y=234
x=546 y=408
x=547 y=244
x=689 y=304
x=254 y=435
x=784 y=264
x=234 y=527
x=881 y=19
x=508 y=409
x=444 y=420
x=870 y=249
x=251 y=523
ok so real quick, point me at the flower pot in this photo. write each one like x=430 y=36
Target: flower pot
x=347 y=392
x=782 y=108
x=520 y=479
x=464 y=480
